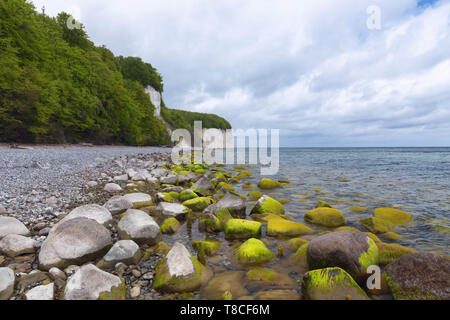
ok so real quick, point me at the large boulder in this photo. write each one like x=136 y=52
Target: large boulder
x=7 y=279
x=125 y=251
x=203 y=186
x=172 y=210
x=73 y=242
x=235 y=204
x=43 y=292
x=349 y=250
x=254 y=252
x=266 y=205
x=422 y=276
x=331 y=284
x=328 y=217
x=242 y=229
x=13 y=245
x=179 y=271
x=91 y=211
x=91 y=283
x=138 y=226
x=118 y=204
x=139 y=200
x=9 y=225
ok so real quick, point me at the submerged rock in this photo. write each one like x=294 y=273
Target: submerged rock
x=209 y=247
x=267 y=205
x=331 y=284
x=231 y=281
x=349 y=250
x=9 y=225
x=268 y=184
x=394 y=216
x=253 y=252
x=323 y=204
x=377 y=225
x=286 y=228
x=179 y=271
x=91 y=211
x=419 y=277
x=278 y=295
x=138 y=226
x=242 y=229
x=74 y=241
x=328 y=217
x=91 y=283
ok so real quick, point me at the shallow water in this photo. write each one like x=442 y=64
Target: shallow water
x=416 y=180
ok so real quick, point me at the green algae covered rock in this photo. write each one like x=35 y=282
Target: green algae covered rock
x=170 y=226
x=187 y=194
x=179 y=271
x=266 y=205
x=209 y=247
x=161 y=248
x=225 y=186
x=357 y=209
x=394 y=216
x=331 y=284
x=227 y=295
x=255 y=195
x=253 y=252
x=300 y=258
x=377 y=225
x=352 y=251
x=391 y=252
x=372 y=236
x=232 y=281
x=269 y=184
x=323 y=204
x=296 y=243
x=242 y=229
x=198 y=204
x=346 y=229
x=328 y=217
x=286 y=228
x=392 y=236
x=261 y=274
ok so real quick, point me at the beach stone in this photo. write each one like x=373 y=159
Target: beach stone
x=394 y=216
x=122 y=178
x=255 y=195
x=187 y=194
x=92 y=184
x=43 y=292
x=138 y=199
x=278 y=295
x=377 y=225
x=172 y=210
x=118 y=204
x=56 y=273
x=125 y=251
x=323 y=204
x=300 y=258
x=91 y=211
x=285 y=228
x=138 y=226
x=186 y=177
x=174 y=189
x=170 y=226
x=112 y=187
x=91 y=283
x=203 y=186
x=159 y=172
x=9 y=225
x=268 y=184
x=179 y=271
x=74 y=241
x=7 y=279
x=32 y=279
x=295 y=243
x=13 y=245
x=232 y=281
x=328 y=217
x=3 y=210
x=422 y=276
x=235 y=205
x=135 y=292
x=254 y=252
x=266 y=205
x=349 y=250
x=198 y=204
x=331 y=284
x=242 y=229
x=141 y=175
x=171 y=179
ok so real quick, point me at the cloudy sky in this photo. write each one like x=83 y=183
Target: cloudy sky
x=320 y=71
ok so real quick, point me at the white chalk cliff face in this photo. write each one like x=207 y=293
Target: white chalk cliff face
x=155 y=98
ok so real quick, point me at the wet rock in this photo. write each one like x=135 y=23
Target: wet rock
x=74 y=241
x=232 y=281
x=328 y=217
x=138 y=226
x=254 y=252
x=198 y=204
x=278 y=295
x=242 y=229
x=7 y=280
x=203 y=187
x=209 y=247
x=286 y=228
x=179 y=271
x=422 y=276
x=268 y=184
x=32 y=279
x=394 y=216
x=267 y=205
x=170 y=226
x=349 y=250
x=377 y=225
x=91 y=211
x=125 y=251
x=172 y=210
x=55 y=273
x=235 y=204
x=91 y=283
x=9 y=225
x=13 y=245
x=323 y=204
x=118 y=204
x=390 y=252
x=331 y=284
x=43 y=292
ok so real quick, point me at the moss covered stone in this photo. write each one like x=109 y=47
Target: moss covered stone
x=323 y=204
x=268 y=205
x=187 y=194
x=357 y=209
x=300 y=257
x=198 y=204
x=328 y=217
x=227 y=295
x=372 y=236
x=391 y=252
x=394 y=216
x=377 y=225
x=261 y=274
x=392 y=236
x=209 y=247
x=254 y=252
x=283 y=201
x=331 y=284
x=225 y=186
x=346 y=229
x=268 y=184
x=170 y=226
x=295 y=243
x=286 y=228
x=255 y=195
x=242 y=229
x=161 y=248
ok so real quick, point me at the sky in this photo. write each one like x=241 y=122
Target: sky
x=357 y=73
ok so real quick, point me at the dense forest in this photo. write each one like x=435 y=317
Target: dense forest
x=56 y=86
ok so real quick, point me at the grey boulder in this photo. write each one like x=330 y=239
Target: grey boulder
x=138 y=226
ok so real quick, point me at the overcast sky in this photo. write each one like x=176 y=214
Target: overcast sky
x=313 y=69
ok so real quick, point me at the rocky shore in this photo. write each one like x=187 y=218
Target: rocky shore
x=128 y=225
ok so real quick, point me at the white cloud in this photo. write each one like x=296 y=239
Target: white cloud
x=312 y=69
